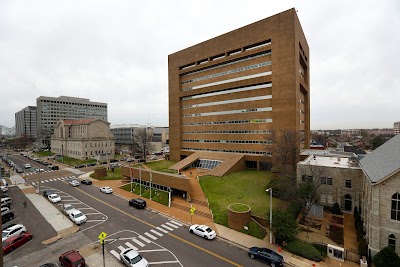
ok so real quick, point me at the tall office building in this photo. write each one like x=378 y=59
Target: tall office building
x=51 y=109
x=396 y=128
x=229 y=93
x=25 y=122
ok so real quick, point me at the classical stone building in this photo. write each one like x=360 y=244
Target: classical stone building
x=83 y=139
x=381 y=196
x=228 y=93
x=337 y=176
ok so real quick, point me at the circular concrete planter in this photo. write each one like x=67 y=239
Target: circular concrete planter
x=239 y=215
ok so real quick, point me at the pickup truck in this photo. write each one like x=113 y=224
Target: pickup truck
x=67 y=209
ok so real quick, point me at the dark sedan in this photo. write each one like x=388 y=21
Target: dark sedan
x=86 y=181
x=16 y=241
x=267 y=256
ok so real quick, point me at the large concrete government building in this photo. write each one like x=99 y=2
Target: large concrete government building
x=228 y=94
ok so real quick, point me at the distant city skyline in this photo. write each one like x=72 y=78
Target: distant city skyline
x=102 y=53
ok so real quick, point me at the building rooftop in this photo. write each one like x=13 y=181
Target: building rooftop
x=383 y=161
x=331 y=161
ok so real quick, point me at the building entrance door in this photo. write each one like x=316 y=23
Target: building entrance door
x=348 y=204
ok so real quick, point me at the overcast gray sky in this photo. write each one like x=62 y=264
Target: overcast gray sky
x=117 y=52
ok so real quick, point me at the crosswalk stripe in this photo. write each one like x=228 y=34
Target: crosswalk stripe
x=162 y=230
x=33 y=183
x=121 y=248
x=174 y=222
x=59 y=178
x=172 y=225
x=144 y=238
x=51 y=180
x=131 y=246
x=151 y=236
x=46 y=181
x=115 y=254
x=155 y=232
x=166 y=227
x=138 y=242
x=42 y=182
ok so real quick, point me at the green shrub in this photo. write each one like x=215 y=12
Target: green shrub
x=284 y=226
x=387 y=257
x=294 y=209
x=322 y=248
x=304 y=249
x=336 y=209
x=362 y=247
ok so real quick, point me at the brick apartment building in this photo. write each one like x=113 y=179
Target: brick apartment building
x=227 y=94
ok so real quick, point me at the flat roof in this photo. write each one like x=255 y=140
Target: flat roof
x=330 y=161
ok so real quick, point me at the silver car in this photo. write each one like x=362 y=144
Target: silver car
x=133 y=259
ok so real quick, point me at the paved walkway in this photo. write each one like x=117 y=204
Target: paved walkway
x=350 y=238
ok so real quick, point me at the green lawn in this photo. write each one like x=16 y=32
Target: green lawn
x=161 y=166
x=116 y=175
x=73 y=162
x=156 y=195
x=246 y=187
x=44 y=153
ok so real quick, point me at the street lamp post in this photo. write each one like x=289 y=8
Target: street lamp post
x=130 y=170
x=140 y=177
x=270 y=214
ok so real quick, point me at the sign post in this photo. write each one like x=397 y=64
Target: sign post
x=102 y=238
x=192 y=210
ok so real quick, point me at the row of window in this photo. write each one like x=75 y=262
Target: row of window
x=324 y=180
x=254 y=66
x=222 y=73
x=237 y=111
x=229 y=91
x=230 y=151
x=230 y=132
x=227 y=122
x=240 y=78
x=230 y=101
x=243 y=59
x=208 y=164
x=228 y=141
x=395 y=208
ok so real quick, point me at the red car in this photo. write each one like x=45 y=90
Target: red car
x=72 y=258
x=16 y=241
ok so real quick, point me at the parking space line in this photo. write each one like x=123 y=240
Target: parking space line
x=151 y=236
x=93 y=213
x=115 y=254
x=144 y=239
x=172 y=225
x=138 y=242
x=131 y=246
x=155 y=232
x=162 y=262
x=153 y=250
x=95 y=221
x=162 y=230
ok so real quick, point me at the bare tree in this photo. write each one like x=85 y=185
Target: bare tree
x=141 y=143
x=285 y=151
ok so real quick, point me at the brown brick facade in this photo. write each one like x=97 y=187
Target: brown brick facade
x=228 y=93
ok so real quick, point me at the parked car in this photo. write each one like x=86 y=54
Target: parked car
x=16 y=241
x=86 y=181
x=6 y=202
x=129 y=160
x=137 y=203
x=107 y=190
x=74 y=183
x=203 y=231
x=72 y=258
x=91 y=164
x=115 y=165
x=113 y=160
x=267 y=256
x=77 y=217
x=54 y=198
x=27 y=166
x=67 y=209
x=48 y=192
x=3 y=195
x=4 y=188
x=3 y=209
x=131 y=258
x=53 y=167
x=12 y=231
x=19 y=170
x=7 y=216
x=80 y=166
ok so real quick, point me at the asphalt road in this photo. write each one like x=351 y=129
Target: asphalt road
x=125 y=223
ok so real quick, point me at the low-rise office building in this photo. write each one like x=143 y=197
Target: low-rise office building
x=83 y=139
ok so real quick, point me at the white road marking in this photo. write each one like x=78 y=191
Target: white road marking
x=166 y=227
x=155 y=232
x=42 y=182
x=33 y=183
x=46 y=181
x=121 y=248
x=162 y=262
x=162 y=230
x=144 y=238
x=115 y=254
x=151 y=236
x=131 y=246
x=138 y=242
x=172 y=225
x=179 y=224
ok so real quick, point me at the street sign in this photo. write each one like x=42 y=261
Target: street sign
x=192 y=210
x=102 y=237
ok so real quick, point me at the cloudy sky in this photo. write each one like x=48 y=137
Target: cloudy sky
x=117 y=52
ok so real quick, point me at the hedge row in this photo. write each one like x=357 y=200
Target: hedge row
x=304 y=249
